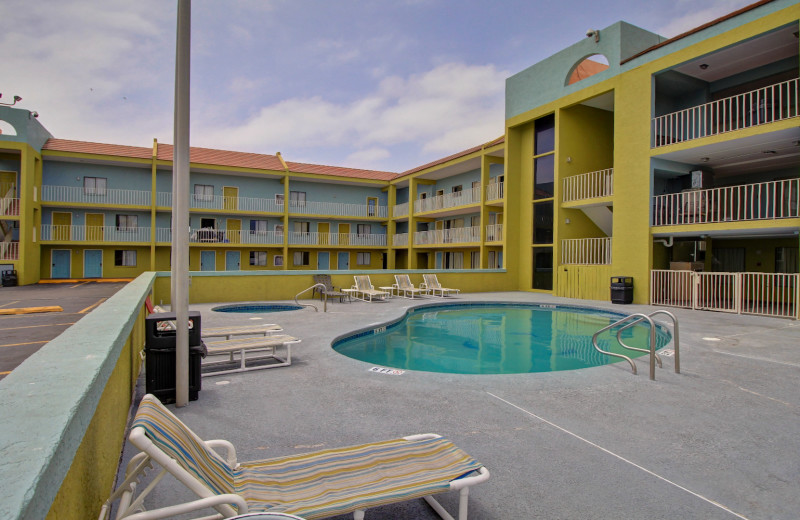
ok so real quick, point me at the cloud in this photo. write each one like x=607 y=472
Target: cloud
x=441 y=111
x=695 y=18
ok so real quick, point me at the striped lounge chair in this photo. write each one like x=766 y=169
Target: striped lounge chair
x=311 y=485
x=405 y=288
x=365 y=291
x=432 y=285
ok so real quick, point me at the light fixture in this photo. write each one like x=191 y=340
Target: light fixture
x=704 y=66
x=705 y=159
x=595 y=33
x=16 y=100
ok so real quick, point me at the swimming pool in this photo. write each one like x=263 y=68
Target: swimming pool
x=495 y=338
x=256 y=308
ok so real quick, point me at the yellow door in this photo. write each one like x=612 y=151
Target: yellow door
x=323 y=233
x=62 y=224
x=94 y=227
x=344 y=234
x=230 y=197
x=234 y=233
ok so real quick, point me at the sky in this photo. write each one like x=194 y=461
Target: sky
x=375 y=84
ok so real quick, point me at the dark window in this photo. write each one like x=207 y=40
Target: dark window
x=543 y=223
x=543 y=175
x=125 y=258
x=543 y=268
x=545 y=134
x=258 y=258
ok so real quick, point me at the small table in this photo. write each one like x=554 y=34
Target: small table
x=349 y=293
x=389 y=290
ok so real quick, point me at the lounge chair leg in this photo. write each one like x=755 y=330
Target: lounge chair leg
x=358 y=514
x=462 y=503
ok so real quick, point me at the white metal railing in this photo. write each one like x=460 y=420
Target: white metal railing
x=589 y=185
x=9 y=250
x=448 y=236
x=586 y=251
x=73 y=233
x=494 y=232
x=400 y=210
x=758 y=201
x=494 y=191
x=336 y=239
x=164 y=199
x=224 y=236
x=221 y=202
x=757 y=107
x=448 y=200
x=400 y=240
x=764 y=294
x=81 y=195
x=9 y=207
x=339 y=209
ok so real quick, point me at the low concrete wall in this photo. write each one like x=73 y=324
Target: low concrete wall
x=241 y=286
x=65 y=409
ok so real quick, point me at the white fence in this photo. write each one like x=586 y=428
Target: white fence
x=763 y=294
x=81 y=195
x=230 y=203
x=589 y=185
x=9 y=250
x=335 y=239
x=400 y=210
x=494 y=232
x=400 y=240
x=64 y=233
x=586 y=251
x=338 y=209
x=494 y=191
x=757 y=107
x=758 y=201
x=448 y=200
x=447 y=236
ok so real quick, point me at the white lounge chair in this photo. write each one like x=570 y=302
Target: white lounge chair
x=432 y=284
x=363 y=287
x=266 y=348
x=264 y=329
x=405 y=288
x=311 y=485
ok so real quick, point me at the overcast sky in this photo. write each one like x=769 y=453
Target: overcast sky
x=387 y=84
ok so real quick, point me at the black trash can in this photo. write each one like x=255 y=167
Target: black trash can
x=160 y=348
x=9 y=278
x=621 y=289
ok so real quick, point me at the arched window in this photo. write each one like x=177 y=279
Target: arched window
x=587 y=67
x=6 y=128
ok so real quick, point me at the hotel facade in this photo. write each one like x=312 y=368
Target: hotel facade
x=674 y=163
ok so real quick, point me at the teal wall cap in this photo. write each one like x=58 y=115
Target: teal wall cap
x=28 y=129
x=49 y=400
x=167 y=274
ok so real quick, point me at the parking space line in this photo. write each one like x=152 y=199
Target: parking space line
x=10 y=303
x=28 y=343
x=39 y=326
x=78 y=285
x=92 y=306
x=5 y=373
x=620 y=457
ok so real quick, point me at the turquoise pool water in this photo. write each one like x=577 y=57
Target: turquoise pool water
x=496 y=338
x=255 y=308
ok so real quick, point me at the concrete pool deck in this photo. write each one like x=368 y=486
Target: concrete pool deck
x=720 y=440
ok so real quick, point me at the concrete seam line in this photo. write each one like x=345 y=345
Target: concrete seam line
x=623 y=459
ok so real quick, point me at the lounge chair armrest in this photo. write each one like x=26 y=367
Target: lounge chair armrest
x=423 y=285
x=230 y=451
x=194 y=505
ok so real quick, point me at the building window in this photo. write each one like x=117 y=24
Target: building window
x=454 y=260
x=457 y=190
x=475 y=260
x=125 y=258
x=363 y=229
x=94 y=186
x=279 y=199
x=258 y=258
x=301 y=258
x=543 y=223
x=297 y=199
x=364 y=259
x=277 y=260
x=302 y=227
x=203 y=192
x=127 y=222
x=372 y=204
x=786 y=260
x=258 y=227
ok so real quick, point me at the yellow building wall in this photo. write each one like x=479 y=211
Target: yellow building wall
x=585 y=282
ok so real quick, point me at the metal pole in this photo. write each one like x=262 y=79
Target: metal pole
x=180 y=204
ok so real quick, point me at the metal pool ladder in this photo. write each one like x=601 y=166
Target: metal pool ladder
x=632 y=320
x=324 y=298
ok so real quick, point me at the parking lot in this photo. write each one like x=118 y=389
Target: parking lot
x=23 y=334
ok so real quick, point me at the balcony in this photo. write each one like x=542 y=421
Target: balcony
x=59 y=233
x=337 y=209
x=100 y=196
x=757 y=107
x=586 y=251
x=494 y=232
x=9 y=207
x=494 y=191
x=448 y=236
x=400 y=240
x=589 y=185
x=448 y=200
x=400 y=210
x=758 y=201
x=335 y=239
x=9 y=250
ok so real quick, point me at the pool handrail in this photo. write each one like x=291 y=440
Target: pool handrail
x=324 y=297
x=629 y=360
x=675 y=338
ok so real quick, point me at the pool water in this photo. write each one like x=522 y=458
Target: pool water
x=496 y=339
x=255 y=308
